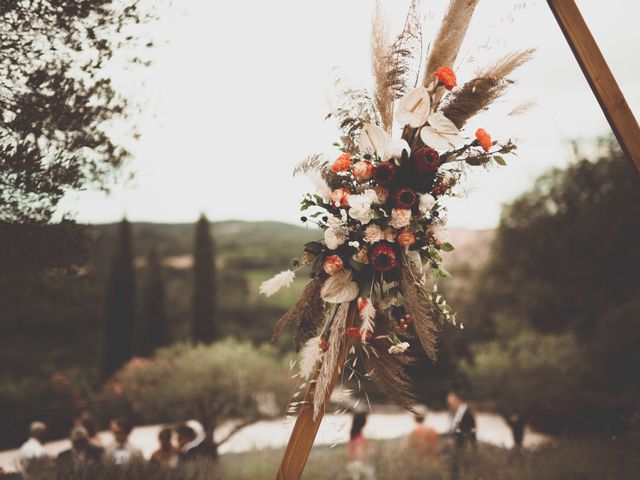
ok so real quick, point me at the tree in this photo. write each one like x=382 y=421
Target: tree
x=56 y=99
x=120 y=305
x=203 y=328
x=224 y=381
x=151 y=326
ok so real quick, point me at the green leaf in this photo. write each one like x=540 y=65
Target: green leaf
x=314 y=248
x=447 y=247
x=500 y=160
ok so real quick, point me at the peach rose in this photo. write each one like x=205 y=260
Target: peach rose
x=333 y=264
x=382 y=193
x=362 y=170
x=340 y=197
x=400 y=217
x=389 y=234
x=361 y=256
x=373 y=233
x=406 y=238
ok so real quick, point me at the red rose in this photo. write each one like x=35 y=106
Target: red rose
x=404 y=198
x=426 y=160
x=383 y=256
x=385 y=173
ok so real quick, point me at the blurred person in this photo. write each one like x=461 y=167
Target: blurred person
x=359 y=451
x=32 y=452
x=462 y=433
x=423 y=440
x=192 y=445
x=81 y=451
x=89 y=423
x=121 y=451
x=167 y=454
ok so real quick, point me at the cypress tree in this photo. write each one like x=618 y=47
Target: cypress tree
x=151 y=328
x=203 y=328
x=120 y=305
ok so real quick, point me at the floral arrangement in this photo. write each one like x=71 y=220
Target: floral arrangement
x=379 y=206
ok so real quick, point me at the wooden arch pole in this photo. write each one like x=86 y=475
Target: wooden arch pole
x=602 y=82
x=305 y=429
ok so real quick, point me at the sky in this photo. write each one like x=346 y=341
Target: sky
x=238 y=93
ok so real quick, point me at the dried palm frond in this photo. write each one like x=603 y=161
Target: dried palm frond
x=308 y=311
x=476 y=96
x=383 y=93
x=330 y=358
x=387 y=372
x=406 y=54
x=309 y=164
x=417 y=306
x=447 y=43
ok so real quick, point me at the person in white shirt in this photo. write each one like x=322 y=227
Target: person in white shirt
x=121 y=451
x=32 y=451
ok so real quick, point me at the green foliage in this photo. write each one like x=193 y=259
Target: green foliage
x=151 y=325
x=203 y=328
x=120 y=305
x=211 y=383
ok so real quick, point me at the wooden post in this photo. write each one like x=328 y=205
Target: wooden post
x=305 y=429
x=595 y=68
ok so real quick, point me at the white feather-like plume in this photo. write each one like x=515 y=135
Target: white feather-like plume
x=309 y=356
x=274 y=284
x=367 y=315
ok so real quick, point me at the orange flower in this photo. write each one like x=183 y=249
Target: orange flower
x=342 y=163
x=333 y=264
x=447 y=77
x=406 y=238
x=484 y=139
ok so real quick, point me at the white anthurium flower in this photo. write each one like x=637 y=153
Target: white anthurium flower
x=394 y=149
x=414 y=107
x=398 y=348
x=441 y=134
x=373 y=140
x=426 y=203
x=361 y=206
x=339 y=288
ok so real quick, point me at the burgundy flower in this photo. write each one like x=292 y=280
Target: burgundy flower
x=426 y=160
x=385 y=173
x=383 y=256
x=404 y=198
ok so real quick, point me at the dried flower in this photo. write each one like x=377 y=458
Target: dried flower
x=404 y=198
x=342 y=163
x=362 y=170
x=406 y=238
x=447 y=77
x=361 y=256
x=340 y=197
x=333 y=264
x=382 y=192
x=274 y=284
x=373 y=233
x=309 y=357
x=398 y=348
x=400 y=217
x=383 y=256
x=425 y=161
x=385 y=173
x=367 y=316
x=484 y=139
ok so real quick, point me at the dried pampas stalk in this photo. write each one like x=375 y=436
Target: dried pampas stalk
x=309 y=357
x=308 y=311
x=447 y=43
x=387 y=372
x=330 y=358
x=417 y=307
x=384 y=94
x=405 y=54
x=522 y=108
x=476 y=96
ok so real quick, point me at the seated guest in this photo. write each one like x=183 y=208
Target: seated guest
x=89 y=423
x=167 y=454
x=192 y=445
x=81 y=451
x=32 y=451
x=121 y=451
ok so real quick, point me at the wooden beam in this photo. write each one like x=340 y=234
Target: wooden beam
x=602 y=82
x=305 y=429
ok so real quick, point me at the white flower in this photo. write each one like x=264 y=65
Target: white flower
x=373 y=140
x=398 y=348
x=373 y=233
x=322 y=188
x=426 y=203
x=400 y=217
x=442 y=134
x=282 y=279
x=309 y=357
x=336 y=234
x=361 y=206
x=395 y=148
x=354 y=244
x=414 y=108
x=339 y=288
